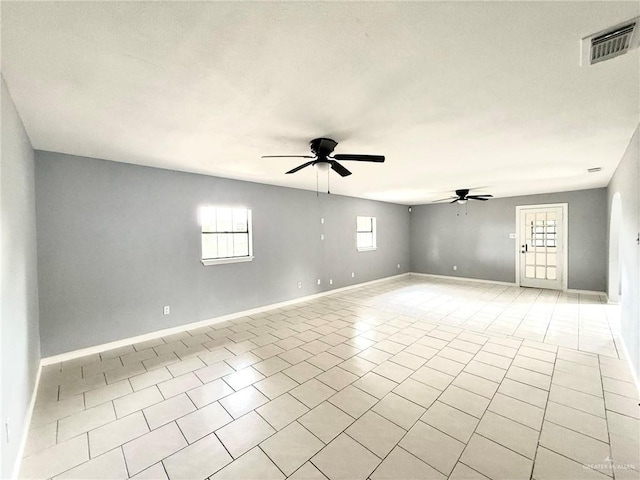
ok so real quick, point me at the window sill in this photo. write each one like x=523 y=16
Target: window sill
x=366 y=249
x=221 y=261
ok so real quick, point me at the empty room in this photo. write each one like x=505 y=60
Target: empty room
x=320 y=240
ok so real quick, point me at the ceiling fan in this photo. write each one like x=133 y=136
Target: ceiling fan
x=322 y=148
x=462 y=196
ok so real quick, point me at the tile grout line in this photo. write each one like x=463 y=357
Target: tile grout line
x=400 y=329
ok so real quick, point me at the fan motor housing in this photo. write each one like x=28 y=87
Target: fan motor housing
x=322 y=147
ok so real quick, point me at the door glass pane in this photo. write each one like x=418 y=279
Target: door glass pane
x=530 y=272
x=551 y=259
x=530 y=258
x=540 y=258
x=540 y=272
x=551 y=273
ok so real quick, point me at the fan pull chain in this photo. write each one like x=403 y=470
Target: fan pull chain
x=317 y=183
x=328 y=183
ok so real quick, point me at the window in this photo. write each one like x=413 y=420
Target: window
x=366 y=233
x=226 y=235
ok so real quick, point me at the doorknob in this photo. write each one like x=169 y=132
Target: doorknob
x=525 y=248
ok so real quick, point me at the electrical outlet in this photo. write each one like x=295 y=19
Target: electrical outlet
x=322 y=236
x=455 y=267
x=166 y=310
x=299 y=284
x=318 y=281
x=353 y=274
x=330 y=281
x=512 y=235
x=322 y=220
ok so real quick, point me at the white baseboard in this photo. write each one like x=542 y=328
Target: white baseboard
x=63 y=357
x=27 y=425
x=586 y=292
x=510 y=284
x=463 y=279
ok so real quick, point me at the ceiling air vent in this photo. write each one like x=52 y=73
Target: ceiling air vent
x=610 y=43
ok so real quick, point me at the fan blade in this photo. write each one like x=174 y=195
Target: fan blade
x=477 y=198
x=287 y=156
x=456 y=200
x=480 y=197
x=300 y=167
x=339 y=169
x=359 y=158
x=444 y=199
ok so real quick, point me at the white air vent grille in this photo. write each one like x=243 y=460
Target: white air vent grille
x=610 y=43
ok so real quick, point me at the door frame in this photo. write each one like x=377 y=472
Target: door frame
x=565 y=239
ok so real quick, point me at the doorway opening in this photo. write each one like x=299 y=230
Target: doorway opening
x=614 y=287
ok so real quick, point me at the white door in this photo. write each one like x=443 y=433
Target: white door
x=542 y=246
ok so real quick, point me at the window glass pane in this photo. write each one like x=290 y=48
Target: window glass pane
x=240 y=245
x=208 y=219
x=225 y=245
x=365 y=239
x=239 y=220
x=364 y=224
x=224 y=219
x=209 y=246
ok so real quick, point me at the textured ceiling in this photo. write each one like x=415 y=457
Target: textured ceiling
x=486 y=94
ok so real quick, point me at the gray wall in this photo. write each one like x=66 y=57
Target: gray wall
x=626 y=181
x=119 y=241
x=479 y=244
x=18 y=280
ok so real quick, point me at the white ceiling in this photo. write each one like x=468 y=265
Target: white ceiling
x=456 y=95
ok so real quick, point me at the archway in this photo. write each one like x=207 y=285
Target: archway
x=614 y=287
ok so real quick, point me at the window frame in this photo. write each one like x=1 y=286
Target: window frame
x=373 y=231
x=232 y=259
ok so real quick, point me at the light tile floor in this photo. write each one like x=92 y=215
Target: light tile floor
x=409 y=378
